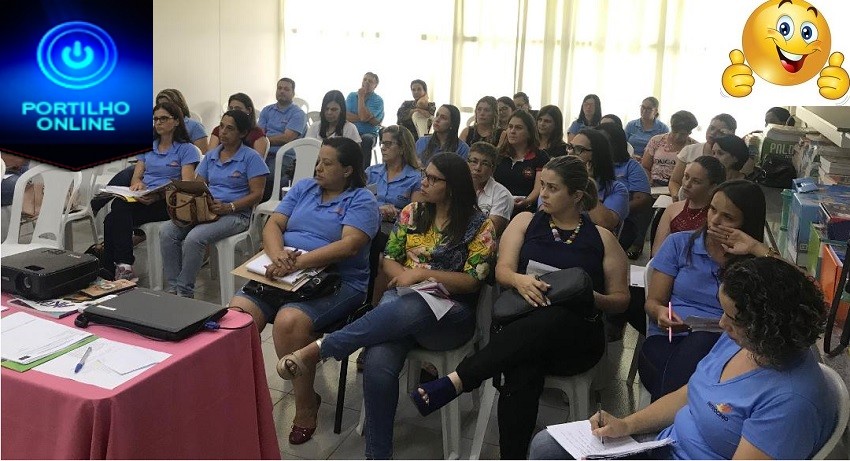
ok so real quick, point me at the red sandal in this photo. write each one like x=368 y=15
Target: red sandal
x=298 y=434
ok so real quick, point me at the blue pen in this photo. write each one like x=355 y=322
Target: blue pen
x=82 y=361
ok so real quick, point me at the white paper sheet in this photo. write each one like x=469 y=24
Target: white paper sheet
x=109 y=365
x=26 y=338
x=637 y=275
x=434 y=293
x=536 y=269
x=663 y=201
x=576 y=438
x=258 y=266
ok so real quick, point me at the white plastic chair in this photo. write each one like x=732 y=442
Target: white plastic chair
x=153 y=263
x=643 y=398
x=302 y=104
x=83 y=209
x=48 y=231
x=445 y=362
x=313 y=117
x=225 y=254
x=838 y=394
x=421 y=122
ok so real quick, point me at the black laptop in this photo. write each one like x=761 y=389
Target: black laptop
x=153 y=313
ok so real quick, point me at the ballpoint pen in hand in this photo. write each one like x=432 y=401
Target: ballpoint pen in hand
x=82 y=360
x=601 y=423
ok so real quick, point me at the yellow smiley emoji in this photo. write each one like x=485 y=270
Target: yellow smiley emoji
x=786 y=42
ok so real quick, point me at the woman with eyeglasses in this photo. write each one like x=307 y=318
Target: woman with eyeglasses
x=256 y=137
x=486 y=127
x=444 y=238
x=521 y=162
x=444 y=137
x=196 y=130
x=173 y=157
x=641 y=130
x=563 y=340
x=759 y=393
x=397 y=178
x=659 y=157
x=721 y=125
x=594 y=149
x=550 y=127
x=332 y=120
x=506 y=107
x=494 y=199
x=684 y=284
x=588 y=117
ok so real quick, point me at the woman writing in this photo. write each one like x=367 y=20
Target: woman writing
x=444 y=139
x=397 y=178
x=443 y=238
x=256 y=137
x=173 y=157
x=332 y=120
x=759 y=393
x=521 y=162
x=550 y=127
x=552 y=339
x=486 y=126
x=236 y=176
x=701 y=177
x=333 y=218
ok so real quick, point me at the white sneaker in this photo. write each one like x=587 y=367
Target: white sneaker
x=125 y=272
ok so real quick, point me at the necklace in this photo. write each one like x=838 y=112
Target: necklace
x=557 y=235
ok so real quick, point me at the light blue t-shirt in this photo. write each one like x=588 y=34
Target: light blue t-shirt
x=575 y=127
x=374 y=104
x=422 y=143
x=313 y=224
x=274 y=121
x=786 y=414
x=398 y=191
x=638 y=137
x=633 y=176
x=695 y=284
x=228 y=181
x=615 y=197
x=196 y=129
x=162 y=167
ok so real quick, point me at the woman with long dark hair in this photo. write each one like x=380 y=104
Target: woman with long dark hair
x=332 y=120
x=520 y=161
x=444 y=137
x=594 y=149
x=445 y=238
x=550 y=127
x=588 y=117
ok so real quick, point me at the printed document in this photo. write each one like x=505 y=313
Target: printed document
x=434 y=293
x=26 y=338
x=577 y=439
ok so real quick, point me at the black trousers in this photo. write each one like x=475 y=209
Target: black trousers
x=118 y=229
x=122 y=178
x=549 y=341
x=665 y=367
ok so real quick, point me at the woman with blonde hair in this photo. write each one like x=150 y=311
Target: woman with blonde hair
x=197 y=132
x=397 y=179
x=486 y=126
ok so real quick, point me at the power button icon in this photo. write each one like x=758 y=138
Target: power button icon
x=77 y=55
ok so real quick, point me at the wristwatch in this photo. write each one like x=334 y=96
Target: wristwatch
x=232 y=207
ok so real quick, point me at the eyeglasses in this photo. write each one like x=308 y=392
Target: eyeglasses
x=578 y=150
x=647 y=108
x=387 y=143
x=162 y=119
x=733 y=319
x=431 y=179
x=476 y=162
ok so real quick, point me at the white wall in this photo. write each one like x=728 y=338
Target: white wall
x=210 y=49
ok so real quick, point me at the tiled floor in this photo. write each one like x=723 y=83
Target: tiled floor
x=415 y=437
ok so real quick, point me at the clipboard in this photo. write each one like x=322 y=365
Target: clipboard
x=242 y=271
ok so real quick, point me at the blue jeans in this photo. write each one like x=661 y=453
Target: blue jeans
x=183 y=248
x=394 y=327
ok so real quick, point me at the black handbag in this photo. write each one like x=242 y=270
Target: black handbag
x=569 y=288
x=322 y=284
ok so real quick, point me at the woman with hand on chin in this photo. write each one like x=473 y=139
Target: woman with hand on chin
x=443 y=238
x=236 y=176
x=332 y=217
x=759 y=393
x=521 y=161
x=397 y=179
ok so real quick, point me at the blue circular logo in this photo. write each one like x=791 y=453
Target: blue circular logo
x=77 y=55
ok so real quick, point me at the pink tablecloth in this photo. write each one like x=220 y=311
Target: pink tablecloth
x=210 y=399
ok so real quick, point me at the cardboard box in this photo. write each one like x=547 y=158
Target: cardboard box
x=831 y=266
x=806 y=209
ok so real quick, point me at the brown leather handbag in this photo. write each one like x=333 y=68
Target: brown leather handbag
x=188 y=203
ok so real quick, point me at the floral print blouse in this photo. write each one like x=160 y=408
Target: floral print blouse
x=473 y=255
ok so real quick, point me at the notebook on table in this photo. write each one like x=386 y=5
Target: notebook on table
x=154 y=313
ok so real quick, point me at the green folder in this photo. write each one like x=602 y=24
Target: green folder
x=24 y=367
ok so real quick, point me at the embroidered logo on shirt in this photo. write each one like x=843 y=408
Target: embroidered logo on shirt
x=174 y=163
x=236 y=174
x=721 y=410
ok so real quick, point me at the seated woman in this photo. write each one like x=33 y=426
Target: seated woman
x=721 y=125
x=701 y=177
x=520 y=162
x=759 y=393
x=685 y=281
x=612 y=207
x=589 y=116
x=486 y=127
x=659 y=157
x=332 y=217
x=256 y=137
x=444 y=137
x=629 y=172
x=494 y=199
x=197 y=132
x=550 y=127
x=778 y=116
x=641 y=130
x=332 y=120
x=397 y=178
x=551 y=340
x=236 y=176
x=506 y=107
x=417 y=110
x=733 y=153
x=173 y=157
x=444 y=238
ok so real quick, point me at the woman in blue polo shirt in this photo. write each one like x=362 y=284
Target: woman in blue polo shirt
x=594 y=149
x=197 y=132
x=589 y=116
x=444 y=138
x=334 y=218
x=759 y=393
x=397 y=179
x=685 y=275
x=236 y=175
x=639 y=131
x=173 y=157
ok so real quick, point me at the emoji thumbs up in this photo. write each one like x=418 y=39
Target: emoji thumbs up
x=834 y=81
x=738 y=77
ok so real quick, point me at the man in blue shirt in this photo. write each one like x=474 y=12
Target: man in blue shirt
x=283 y=122
x=365 y=110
